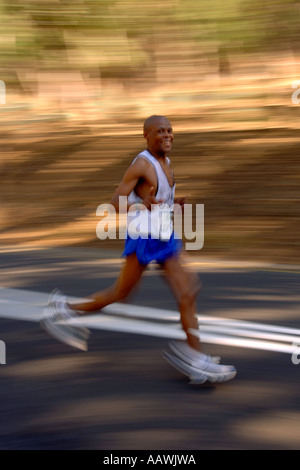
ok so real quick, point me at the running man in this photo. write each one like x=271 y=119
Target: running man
x=148 y=182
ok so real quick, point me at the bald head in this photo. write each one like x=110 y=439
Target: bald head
x=159 y=135
x=153 y=120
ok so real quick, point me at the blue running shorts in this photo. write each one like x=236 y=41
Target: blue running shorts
x=148 y=249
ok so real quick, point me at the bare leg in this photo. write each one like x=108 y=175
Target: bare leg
x=185 y=288
x=128 y=279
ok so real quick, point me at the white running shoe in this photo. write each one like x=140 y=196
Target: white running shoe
x=58 y=320
x=195 y=376
x=204 y=364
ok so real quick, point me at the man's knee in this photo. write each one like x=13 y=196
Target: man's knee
x=121 y=292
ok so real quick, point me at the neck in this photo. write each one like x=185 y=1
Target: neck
x=157 y=155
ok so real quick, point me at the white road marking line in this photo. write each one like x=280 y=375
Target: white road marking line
x=175 y=332
x=28 y=306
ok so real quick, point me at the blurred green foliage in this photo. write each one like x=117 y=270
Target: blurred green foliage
x=124 y=35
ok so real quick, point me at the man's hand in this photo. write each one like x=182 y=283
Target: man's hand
x=150 y=199
x=180 y=200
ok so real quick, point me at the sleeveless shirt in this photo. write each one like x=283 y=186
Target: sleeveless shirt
x=151 y=222
x=164 y=190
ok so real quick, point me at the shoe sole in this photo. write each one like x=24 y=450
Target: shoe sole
x=72 y=336
x=195 y=376
x=193 y=372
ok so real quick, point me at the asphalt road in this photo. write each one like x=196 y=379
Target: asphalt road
x=121 y=394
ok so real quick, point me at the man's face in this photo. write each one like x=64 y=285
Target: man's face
x=159 y=137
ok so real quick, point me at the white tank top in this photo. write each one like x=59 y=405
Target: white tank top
x=164 y=190
x=157 y=222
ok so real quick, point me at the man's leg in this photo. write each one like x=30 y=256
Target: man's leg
x=128 y=279
x=189 y=358
x=185 y=287
x=58 y=309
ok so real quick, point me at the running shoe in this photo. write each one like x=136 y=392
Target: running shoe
x=195 y=375
x=59 y=320
x=202 y=363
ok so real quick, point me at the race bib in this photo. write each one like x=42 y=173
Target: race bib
x=157 y=223
x=165 y=222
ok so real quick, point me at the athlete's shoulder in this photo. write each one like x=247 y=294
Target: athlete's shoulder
x=145 y=156
x=141 y=162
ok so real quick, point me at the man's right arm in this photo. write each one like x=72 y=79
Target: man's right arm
x=130 y=179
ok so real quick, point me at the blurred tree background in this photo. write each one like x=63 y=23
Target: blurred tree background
x=112 y=37
x=82 y=75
